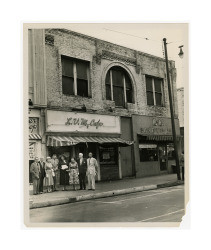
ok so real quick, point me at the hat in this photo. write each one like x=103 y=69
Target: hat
x=48 y=157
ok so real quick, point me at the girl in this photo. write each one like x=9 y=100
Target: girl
x=73 y=173
x=49 y=174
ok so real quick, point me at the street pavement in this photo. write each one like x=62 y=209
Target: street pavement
x=60 y=197
x=160 y=205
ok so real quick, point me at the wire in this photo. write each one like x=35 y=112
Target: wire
x=144 y=38
x=175 y=42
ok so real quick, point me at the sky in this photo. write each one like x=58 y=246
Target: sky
x=133 y=35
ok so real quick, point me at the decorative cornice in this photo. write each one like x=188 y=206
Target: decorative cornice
x=113 y=56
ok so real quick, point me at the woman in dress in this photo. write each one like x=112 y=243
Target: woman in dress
x=73 y=173
x=49 y=174
x=64 y=176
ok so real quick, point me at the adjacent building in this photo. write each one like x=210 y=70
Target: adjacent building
x=91 y=95
x=180 y=98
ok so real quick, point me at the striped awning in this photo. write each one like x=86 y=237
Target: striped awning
x=59 y=141
x=161 y=138
x=34 y=137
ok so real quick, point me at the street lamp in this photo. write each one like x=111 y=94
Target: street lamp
x=181 y=53
x=172 y=111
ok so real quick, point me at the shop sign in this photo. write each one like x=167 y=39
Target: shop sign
x=61 y=121
x=32 y=151
x=33 y=125
x=83 y=122
x=156 y=131
x=154 y=125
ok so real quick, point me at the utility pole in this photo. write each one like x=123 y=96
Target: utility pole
x=172 y=113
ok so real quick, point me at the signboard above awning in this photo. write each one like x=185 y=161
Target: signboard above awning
x=59 y=141
x=160 y=137
x=62 y=121
x=147 y=145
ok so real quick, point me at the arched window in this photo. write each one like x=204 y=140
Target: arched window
x=118 y=86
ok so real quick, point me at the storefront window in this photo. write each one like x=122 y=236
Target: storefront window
x=170 y=151
x=148 y=152
x=162 y=157
x=108 y=155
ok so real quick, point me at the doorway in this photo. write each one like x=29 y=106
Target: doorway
x=163 y=157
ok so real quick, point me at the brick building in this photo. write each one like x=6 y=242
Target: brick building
x=180 y=98
x=92 y=95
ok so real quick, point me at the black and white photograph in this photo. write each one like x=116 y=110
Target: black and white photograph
x=106 y=124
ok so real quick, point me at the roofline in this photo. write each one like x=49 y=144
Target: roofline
x=181 y=88
x=94 y=39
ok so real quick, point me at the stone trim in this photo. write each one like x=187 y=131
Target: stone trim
x=49 y=39
x=113 y=56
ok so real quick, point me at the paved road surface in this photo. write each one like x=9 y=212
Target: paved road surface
x=161 y=205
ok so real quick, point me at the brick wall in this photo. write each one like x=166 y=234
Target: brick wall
x=103 y=55
x=180 y=97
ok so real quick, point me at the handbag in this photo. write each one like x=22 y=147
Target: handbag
x=64 y=167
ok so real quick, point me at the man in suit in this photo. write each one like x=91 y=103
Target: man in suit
x=41 y=174
x=92 y=168
x=82 y=167
x=35 y=171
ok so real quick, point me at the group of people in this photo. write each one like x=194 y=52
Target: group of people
x=56 y=172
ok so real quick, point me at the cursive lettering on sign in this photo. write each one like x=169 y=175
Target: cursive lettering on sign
x=81 y=122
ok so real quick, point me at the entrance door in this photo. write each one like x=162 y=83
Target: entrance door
x=92 y=147
x=163 y=158
x=126 y=152
x=81 y=148
x=108 y=156
x=126 y=162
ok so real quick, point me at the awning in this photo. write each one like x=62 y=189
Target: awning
x=34 y=137
x=160 y=137
x=147 y=145
x=56 y=141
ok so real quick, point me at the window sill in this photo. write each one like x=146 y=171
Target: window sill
x=155 y=106
x=77 y=96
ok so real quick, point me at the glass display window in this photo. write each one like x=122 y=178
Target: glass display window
x=148 y=152
x=108 y=155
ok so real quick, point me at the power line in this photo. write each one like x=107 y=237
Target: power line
x=144 y=38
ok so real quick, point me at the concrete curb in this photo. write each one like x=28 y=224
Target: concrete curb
x=102 y=195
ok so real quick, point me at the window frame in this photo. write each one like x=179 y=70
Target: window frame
x=154 y=91
x=149 y=147
x=110 y=72
x=75 y=83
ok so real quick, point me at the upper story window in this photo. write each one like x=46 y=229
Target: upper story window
x=75 y=77
x=154 y=89
x=119 y=87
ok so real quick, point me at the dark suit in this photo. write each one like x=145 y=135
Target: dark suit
x=35 y=171
x=82 y=167
x=41 y=175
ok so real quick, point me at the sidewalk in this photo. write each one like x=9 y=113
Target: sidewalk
x=103 y=189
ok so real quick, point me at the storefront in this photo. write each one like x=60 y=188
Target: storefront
x=153 y=146
x=71 y=133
